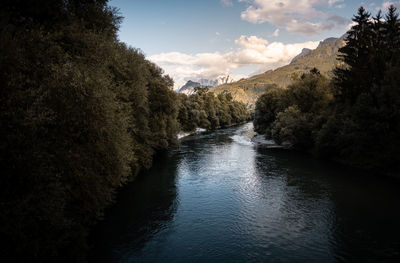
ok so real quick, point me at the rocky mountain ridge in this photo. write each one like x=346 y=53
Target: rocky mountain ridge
x=324 y=58
x=188 y=88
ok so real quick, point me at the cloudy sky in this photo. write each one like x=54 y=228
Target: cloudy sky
x=193 y=39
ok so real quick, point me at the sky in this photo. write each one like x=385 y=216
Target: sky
x=195 y=39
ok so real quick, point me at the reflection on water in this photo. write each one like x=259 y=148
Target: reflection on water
x=223 y=198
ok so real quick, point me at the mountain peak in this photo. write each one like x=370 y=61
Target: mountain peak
x=224 y=79
x=327 y=41
x=323 y=58
x=304 y=52
x=188 y=88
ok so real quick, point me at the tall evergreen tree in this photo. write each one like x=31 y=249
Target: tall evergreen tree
x=366 y=92
x=361 y=125
x=355 y=76
x=391 y=31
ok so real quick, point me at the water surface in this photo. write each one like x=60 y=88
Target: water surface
x=224 y=198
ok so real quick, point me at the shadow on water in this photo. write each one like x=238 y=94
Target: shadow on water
x=360 y=212
x=221 y=198
x=142 y=209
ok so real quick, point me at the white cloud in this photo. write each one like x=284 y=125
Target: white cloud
x=386 y=4
x=251 y=50
x=332 y=2
x=349 y=26
x=251 y=42
x=276 y=33
x=227 y=2
x=300 y=16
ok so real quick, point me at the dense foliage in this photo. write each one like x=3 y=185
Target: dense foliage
x=206 y=110
x=295 y=113
x=355 y=117
x=81 y=114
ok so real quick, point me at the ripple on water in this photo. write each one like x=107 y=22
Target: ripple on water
x=222 y=198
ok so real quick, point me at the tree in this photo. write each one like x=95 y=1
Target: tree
x=292 y=126
x=305 y=103
x=80 y=114
x=267 y=107
x=355 y=76
x=204 y=109
x=365 y=111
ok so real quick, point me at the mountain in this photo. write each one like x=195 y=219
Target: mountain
x=188 y=88
x=224 y=80
x=323 y=58
x=304 y=52
x=208 y=82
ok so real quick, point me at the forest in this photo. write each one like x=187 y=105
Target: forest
x=353 y=118
x=206 y=110
x=81 y=114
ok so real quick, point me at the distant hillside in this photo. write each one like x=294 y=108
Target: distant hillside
x=323 y=58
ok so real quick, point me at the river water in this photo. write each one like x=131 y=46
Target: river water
x=222 y=197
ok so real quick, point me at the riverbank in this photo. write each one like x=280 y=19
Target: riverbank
x=260 y=140
x=201 y=130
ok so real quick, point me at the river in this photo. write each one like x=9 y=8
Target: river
x=222 y=197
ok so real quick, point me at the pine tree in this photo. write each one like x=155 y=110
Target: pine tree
x=355 y=76
x=391 y=31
